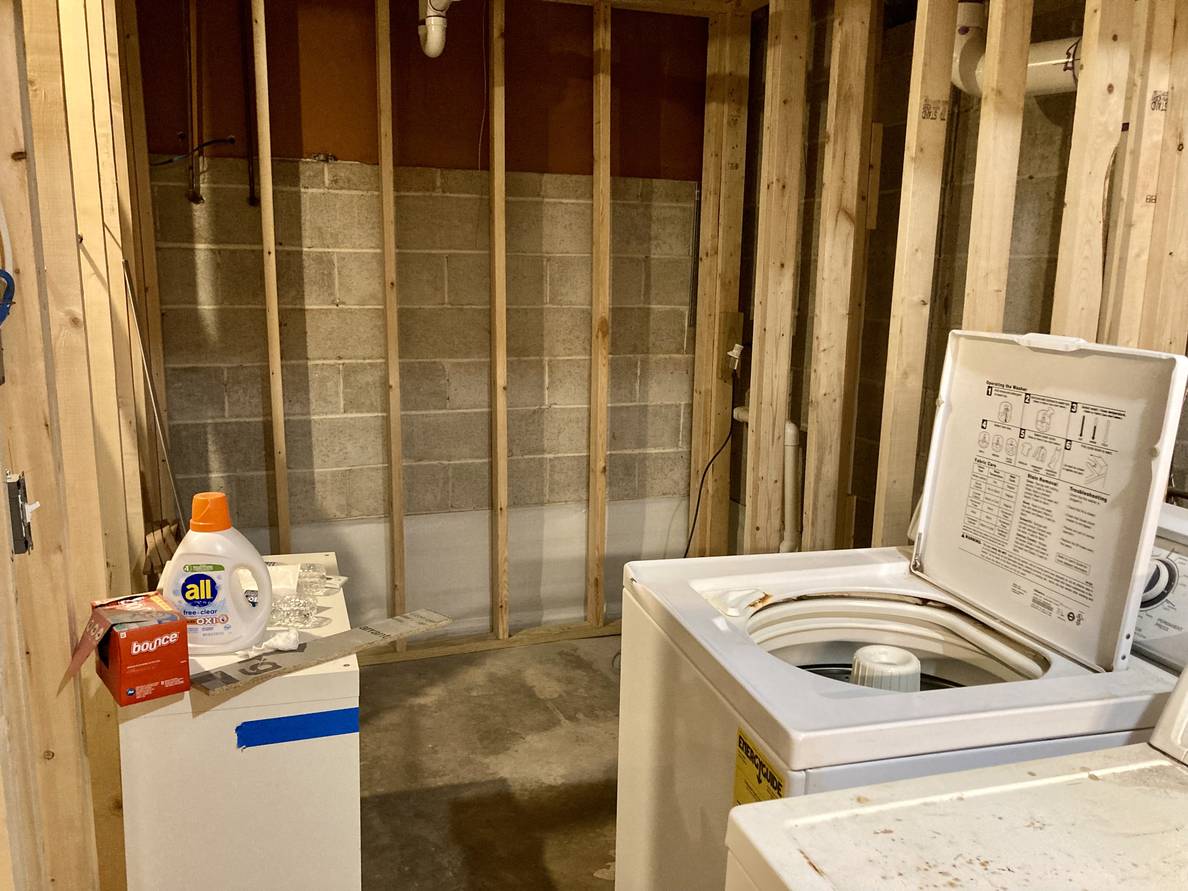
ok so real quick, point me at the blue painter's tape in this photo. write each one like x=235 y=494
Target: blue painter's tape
x=291 y=728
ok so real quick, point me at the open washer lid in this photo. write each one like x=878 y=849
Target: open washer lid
x=1048 y=465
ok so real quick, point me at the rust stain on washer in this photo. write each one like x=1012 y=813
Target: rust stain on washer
x=759 y=601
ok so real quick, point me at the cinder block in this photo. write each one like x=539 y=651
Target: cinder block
x=360 y=278
x=525 y=382
x=547 y=431
x=669 y=281
x=658 y=330
x=634 y=427
x=470 y=485
x=645 y=230
x=253 y=502
x=1036 y=228
x=426 y=488
x=686 y=426
x=445 y=333
x=341 y=220
x=627 y=281
x=213 y=336
x=437 y=222
x=229 y=171
x=525 y=226
x=663 y=474
x=525 y=332
x=566 y=331
x=468 y=279
x=332 y=333
x=416 y=179
x=523 y=185
x=468 y=384
x=525 y=280
x=224 y=217
x=165 y=173
x=195 y=394
x=624 y=380
x=566 y=227
x=625 y=188
x=569 y=280
x=465 y=182
x=446 y=436
x=190 y=276
x=369 y=491
x=218 y=447
x=247 y=391
x=673 y=191
x=622 y=477
x=560 y=185
x=312 y=388
x=303 y=278
x=353 y=176
x=568 y=479
x=423 y=386
x=336 y=442
x=525 y=432
x=526 y=481
x=569 y=382
x=666 y=379
x=365 y=387
x=420 y=279
x=318 y=495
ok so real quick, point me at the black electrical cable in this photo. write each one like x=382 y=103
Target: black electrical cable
x=221 y=140
x=701 y=488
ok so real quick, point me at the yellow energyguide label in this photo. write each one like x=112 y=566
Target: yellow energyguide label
x=754 y=777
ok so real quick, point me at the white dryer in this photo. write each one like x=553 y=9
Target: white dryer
x=1014 y=614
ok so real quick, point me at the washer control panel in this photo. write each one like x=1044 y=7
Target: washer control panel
x=1161 y=633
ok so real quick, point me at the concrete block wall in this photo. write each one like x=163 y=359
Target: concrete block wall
x=330 y=283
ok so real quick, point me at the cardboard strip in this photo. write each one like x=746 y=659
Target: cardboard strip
x=292 y=728
x=240 y=676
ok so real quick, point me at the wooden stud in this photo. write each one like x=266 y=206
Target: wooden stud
x=698 y=8
x=777 y=268
x=599 y=317
x=1097 y=126
x=915 y=257
x=498 y=256
x=280 y=468
x=719 y=257
x=1000 y=131
x=38 y=602
x=387 y=158
x=843 y=178
x=1165 y=306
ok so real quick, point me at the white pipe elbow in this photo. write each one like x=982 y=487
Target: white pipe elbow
x=433 y=35
x=1052 y=66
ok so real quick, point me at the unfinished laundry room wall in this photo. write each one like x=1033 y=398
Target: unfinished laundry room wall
x=332 y=318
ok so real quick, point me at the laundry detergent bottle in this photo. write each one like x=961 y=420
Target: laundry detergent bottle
x=203 y=581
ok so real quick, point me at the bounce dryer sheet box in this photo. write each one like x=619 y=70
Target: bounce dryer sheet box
x=140 y=647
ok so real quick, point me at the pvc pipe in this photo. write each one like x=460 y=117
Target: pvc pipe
x=1052 y=66
x=432 y=28
x=792 y=488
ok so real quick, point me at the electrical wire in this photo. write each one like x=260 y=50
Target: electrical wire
x=219 y=140
x=701 y=488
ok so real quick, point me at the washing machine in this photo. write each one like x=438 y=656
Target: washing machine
x=1096 y=821
x=1005 y=634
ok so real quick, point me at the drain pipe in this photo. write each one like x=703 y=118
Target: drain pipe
x=1052 y=66
x=432 y=27
x=793 y=479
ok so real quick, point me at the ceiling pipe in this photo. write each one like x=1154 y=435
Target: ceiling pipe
x=432 y=27
x=1052 y=65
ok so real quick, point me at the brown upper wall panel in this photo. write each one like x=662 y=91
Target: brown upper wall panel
x=321 y=64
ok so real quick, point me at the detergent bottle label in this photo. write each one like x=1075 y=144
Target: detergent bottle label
x=201 y=596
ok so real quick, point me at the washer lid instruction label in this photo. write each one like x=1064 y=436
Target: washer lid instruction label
x=755 y=779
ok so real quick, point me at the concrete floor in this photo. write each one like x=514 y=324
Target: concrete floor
x=491 y=770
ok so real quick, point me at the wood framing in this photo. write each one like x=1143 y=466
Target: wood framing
x=480 y=643
x=1097 y=127
x=846 y=130
x=699 y=8
x=777 y=268
x=498 y=253
x=38 y=601
x=1165 y=306
x=1000 y=131
x=599 y=317
x=280 y=469
x=915 y=257
x=1129 y=244
x=387 y=162
x=718 y=270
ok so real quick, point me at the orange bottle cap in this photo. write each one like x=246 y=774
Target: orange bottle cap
x=210 y=513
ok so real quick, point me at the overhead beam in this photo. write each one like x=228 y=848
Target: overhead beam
x=498 y=255
x=387 y=160
x=718 y=321
x=599 y=317
x=280 y=463
x=915 y=258
x=1097 y=128
x=777 y=268
x=1000 y=132
x=697 y=8
x=842 y=224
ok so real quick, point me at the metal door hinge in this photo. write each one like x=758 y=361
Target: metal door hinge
x=20 y=510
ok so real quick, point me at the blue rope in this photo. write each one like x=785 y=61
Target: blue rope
x=9 y=294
